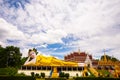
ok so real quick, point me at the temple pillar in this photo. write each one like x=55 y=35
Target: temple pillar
x=72 y=69
x=35 y=67
x=76 y=68
x=66 y=68
x=21 y=68
x=30 y=67
x=25 y=67
x=46 y=67
x=82 y=68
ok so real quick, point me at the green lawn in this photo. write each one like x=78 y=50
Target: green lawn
x=104 y=72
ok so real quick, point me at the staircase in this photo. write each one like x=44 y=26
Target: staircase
x=94 y=72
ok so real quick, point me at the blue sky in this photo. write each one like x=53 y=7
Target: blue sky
x=58 y=27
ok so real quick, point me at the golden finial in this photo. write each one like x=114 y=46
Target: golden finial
x=79 y=51
x=105 y=58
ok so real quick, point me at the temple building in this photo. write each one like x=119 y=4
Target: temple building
x=50 y=65
x=74 y=63
x=80 y=57
x=107 y=63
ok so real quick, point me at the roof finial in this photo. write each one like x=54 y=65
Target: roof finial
x=79 y=50
x=105 y=58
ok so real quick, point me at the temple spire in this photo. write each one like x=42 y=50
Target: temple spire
x=105 y=58
x=79 y=51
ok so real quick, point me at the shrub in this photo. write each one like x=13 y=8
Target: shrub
x=17 y=78
x=8 y=71
x=43 y=75
x=20 y=74
x=95 y=78
x=67 y=75
x=55 y=79
x=61 y=74
x=36 y=75
x=76 y=74
x=32 y=74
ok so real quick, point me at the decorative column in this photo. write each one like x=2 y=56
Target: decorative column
x=21 y=67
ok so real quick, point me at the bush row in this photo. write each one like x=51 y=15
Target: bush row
x=8 y=71
x=33 y=78
x=94 y=78
x=64 y=75
x=17 y=78
x=41 y=75
x=55 y=79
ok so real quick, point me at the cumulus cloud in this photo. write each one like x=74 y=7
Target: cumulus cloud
x=8 y=31
x=48 y=37
x=94 y=25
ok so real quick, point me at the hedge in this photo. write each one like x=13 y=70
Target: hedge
x=94 y=78
x=33 y=78
x=55 y=79
x=8 y=71
x=17 y=78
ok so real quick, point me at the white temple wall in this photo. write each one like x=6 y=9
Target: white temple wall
x=47 y=73
x=28 y=72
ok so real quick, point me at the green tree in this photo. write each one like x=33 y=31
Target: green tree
x=23 y=60
x=13 y=56
x=114 y=59
x=109 y=58
x=3 y=57
x=10 y=57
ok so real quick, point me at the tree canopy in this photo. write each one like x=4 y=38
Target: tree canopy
x=10 y=56
x=110 y=58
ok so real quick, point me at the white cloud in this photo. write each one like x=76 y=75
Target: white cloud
x=8 y=31
x=50 y=37
x=95 y=23
x=2 y=44
x=24 y=52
